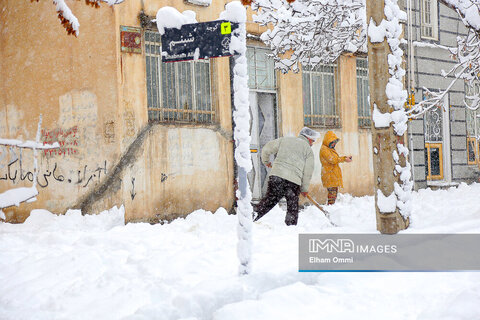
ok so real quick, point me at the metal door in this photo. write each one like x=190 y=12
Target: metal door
x=263 y=128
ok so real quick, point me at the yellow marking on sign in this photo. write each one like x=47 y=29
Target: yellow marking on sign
x=226 y=28
x=253 y=150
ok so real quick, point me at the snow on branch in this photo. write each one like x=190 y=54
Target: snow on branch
x=309 y=32
x=68 y=20
x=469 y=10
x=467 y=68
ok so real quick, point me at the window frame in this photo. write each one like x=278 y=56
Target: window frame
x=475 y=150
x=256 y=48
x=364 y=121
x=438 y=146
x=475 y=114
x=433 y=20
x=177 y=114
x=312 y=115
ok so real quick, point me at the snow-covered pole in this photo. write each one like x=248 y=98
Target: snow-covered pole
x=392 y=172
x=236 y=12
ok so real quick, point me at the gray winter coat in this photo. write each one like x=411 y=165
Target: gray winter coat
x=293 y=160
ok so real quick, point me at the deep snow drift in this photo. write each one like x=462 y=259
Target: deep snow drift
x=95 y=267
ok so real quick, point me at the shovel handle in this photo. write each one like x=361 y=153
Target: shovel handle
x=315 y=203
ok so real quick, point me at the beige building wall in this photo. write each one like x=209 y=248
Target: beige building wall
x=72 y=83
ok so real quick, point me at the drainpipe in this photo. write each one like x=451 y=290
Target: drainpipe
x=411 y=76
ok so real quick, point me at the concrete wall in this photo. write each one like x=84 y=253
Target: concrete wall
x=72 y=83
x=182 y=167
x=354 y=141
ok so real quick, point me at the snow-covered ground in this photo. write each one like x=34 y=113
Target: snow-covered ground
x=95 y=267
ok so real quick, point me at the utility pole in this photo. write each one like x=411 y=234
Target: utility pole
x=384 y=139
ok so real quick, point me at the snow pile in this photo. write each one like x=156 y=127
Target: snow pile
x=73 y=220
x=169 y=17
x=14 y=197
x=95 y=267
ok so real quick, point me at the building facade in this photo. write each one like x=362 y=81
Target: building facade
x=443 y=142
x=155 y=137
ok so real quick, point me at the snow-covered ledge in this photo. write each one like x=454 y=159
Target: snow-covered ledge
x=203 y=3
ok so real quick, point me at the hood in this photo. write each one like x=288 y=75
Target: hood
x=329 y=137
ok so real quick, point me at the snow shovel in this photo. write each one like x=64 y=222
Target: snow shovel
x=315 y=203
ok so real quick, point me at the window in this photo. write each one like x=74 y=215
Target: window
x=433 y=131
x=473 y=124
x=177 y=91
x=319 y=96
x=261 y=69
x=364 y=118
x=429 y=28
x=433 y=155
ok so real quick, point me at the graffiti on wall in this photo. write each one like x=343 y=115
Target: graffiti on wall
x=13 y=169
x=109 y=131
x=68 y=139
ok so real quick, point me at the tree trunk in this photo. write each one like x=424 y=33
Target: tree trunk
x=384 y=140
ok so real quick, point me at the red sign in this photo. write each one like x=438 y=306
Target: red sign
x=131 y=39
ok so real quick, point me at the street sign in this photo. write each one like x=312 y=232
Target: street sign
x=197 y=41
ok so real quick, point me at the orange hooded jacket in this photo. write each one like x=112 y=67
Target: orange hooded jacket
x=331 y=173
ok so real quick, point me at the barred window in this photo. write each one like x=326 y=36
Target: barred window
x=364 y=118
x=177 y=91
x=429 y=24
x=473 y=124
x=261 y=69
x=473 y=116
x=319 y=108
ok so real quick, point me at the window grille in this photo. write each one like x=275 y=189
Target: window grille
x=363 y=105
x=473 y=124
x=319 y=107
x=261 y=69
x=433 y=125
x=429 y=25
x=177 y=91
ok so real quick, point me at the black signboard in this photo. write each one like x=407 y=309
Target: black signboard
x=197 y=41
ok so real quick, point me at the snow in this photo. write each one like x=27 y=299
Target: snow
x=95 y=267
x=204 y=3
x=169 y=17
x=381 y=120
x=386 y=204
x=28 y=144
x=469 y=9
x=14 y=197
x=236 y=12
x=62 y=7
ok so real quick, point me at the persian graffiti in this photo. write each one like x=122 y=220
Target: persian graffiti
x=14 y=171
x=109 y=131
x=68 y=140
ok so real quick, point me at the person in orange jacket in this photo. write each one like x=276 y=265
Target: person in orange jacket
x=331 y=172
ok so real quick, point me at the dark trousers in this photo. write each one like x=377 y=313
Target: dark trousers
x=277 y=189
